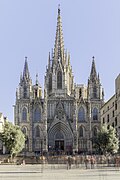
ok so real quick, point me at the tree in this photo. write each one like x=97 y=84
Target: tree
x=106 y=141
x=13 y=138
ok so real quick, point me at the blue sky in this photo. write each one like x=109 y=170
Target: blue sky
x=27 y=28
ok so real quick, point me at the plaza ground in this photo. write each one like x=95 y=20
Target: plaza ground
x=57 y=172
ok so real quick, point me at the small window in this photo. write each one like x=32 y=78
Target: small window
x=115 y=121
x=80 y=93
x=113 y=113
x=95 y=114
x=103 y=120
x=116 y=106
x=108 y=118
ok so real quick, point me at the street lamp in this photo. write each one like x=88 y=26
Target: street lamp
x=41 y=147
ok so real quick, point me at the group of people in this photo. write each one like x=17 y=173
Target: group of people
x=89 y=161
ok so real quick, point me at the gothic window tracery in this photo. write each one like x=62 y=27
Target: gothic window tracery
x=37 y=114
x=37 y=132
x=59 y=80
x=25 y=92
x=24 y=114
x=81 y=114
x=95 y=114
x=94 y=92
x=81 y=131
x=59 y=135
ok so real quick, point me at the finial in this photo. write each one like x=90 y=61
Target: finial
x=59 y=9
x=93 y=58
x=68 y=58
x=49 y=60
x=37 y=79
x=25 y=58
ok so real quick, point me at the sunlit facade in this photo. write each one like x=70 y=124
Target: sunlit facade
x=68 y=115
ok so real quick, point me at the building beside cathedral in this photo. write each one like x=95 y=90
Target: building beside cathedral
x=110 y=111
x=68 y=115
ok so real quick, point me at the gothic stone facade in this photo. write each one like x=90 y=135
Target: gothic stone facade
x=68 y=115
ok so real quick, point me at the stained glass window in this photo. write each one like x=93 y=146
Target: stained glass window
x=24 y=114
x=95 y=114
x=81 y=114
x=37 y=114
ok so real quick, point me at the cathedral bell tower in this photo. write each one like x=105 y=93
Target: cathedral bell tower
x=59 y=78
x=25 y=85
x=23 y=96
x=94 y=86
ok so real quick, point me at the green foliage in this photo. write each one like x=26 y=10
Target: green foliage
x=106 y=141
x=13 y=138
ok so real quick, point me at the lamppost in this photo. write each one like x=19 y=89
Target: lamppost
x=41 y=147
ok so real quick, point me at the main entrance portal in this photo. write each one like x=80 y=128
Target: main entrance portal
x=59 y=145
x=60 y=139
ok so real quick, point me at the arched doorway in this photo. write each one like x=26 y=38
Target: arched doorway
x=59 y=141
x=60 y=137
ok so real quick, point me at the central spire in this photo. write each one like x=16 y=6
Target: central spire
x=26 y=71
x=59 y=43
x=93 y=74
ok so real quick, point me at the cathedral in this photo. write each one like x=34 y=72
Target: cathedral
x=67 y=116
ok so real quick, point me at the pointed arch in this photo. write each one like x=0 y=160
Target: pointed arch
x=59 y=80
x=24 y=130
x=50 y=82
x=95 y=114
x=81 y=114
x=95 y=131
x=24 y=114
x=37 y=132
x=37 y=114
x=81 y=131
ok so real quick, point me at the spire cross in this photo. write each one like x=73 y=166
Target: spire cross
x=37 y=79
x=25 y=58
x=93 y=57
x=59 y=9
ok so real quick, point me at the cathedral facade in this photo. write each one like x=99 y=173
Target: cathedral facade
x=68 y=115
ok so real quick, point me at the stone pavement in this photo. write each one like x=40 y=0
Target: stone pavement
x=56 y=172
